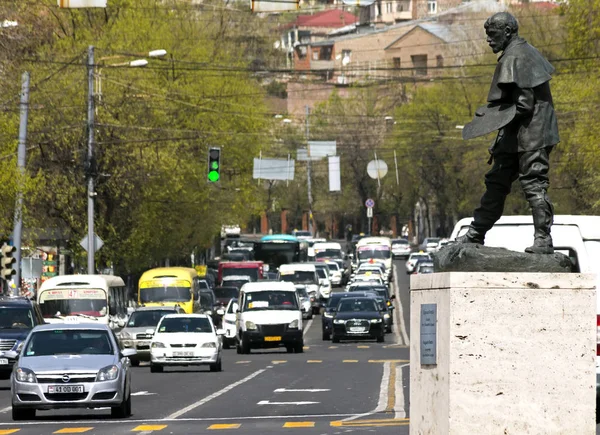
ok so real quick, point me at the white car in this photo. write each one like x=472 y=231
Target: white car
x=229 y=323
x=185 y=340
x=335 y=273
x=400 y=248
x=413 y=258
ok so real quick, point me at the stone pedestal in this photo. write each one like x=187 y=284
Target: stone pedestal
x=514 y=353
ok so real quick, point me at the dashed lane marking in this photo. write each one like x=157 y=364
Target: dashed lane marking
x=389 y=360
x=243 y=362
x=148 y=427
x=306 y=347
x=296 y=424
x=74 y=430
x=350 y=361
x=8 y=431
x=224 y=426
x=371 y=423
x=363 y=347
x=314 y=361
x=279 y=361
x=333 y=347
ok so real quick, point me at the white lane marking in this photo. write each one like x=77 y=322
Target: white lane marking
x=309 y=390
x=214 y=395
x=8 y=408
x=399 y=411
x=400 y=311
x=383 y=394
x=143 y=393
x=308 y=324
x=266 y=402
x=191 y=419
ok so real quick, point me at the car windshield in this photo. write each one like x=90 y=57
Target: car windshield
x=426 y=269
x=203 y=284
x=185 y=324
x=270 y=300
x=237 y=283
x=329 y=253
x=334 y=301
x=302 y=293
x=380 y=254
x=303 y=234
x=420 y=257
x=206 y=300
x=165 y=294
x=69 y=342
x=16 y=318
x=226 y=292
x=251 y=271
x=333 y=267
x=356 y=305
x=146 y=318
x=298 y=276
x=321 y=273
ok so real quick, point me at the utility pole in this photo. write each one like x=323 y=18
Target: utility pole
x=309 y=176
x=18 y=230
x=91 y=164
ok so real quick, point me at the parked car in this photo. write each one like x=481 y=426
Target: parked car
x=358 y=318
x=186 y=340
x=134 y=335
x=76 y=365
x=18 y=316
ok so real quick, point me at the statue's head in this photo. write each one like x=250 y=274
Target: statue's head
x=500 y=29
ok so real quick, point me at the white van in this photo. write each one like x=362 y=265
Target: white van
x=303 y=275
x=377 y=249
x=575 y=236
x=269 y=316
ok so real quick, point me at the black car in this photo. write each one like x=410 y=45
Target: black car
x=224 y=295
x=357 y=318
x=330 y=308
x=18 y=316
x=385 y=312
x=208 y=306
x=381 y=291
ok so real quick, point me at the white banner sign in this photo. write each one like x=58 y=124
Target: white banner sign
x=273 y=169
x=335 y=183
x=321 y=148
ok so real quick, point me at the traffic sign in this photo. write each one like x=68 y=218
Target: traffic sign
x=98 y=243
x=369 y=203
x=369 y=212
x=377 y=169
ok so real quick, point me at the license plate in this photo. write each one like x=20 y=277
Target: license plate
x=3 y=361
x=52 y=389
x=357 y=329
x=189 y=353
x=272 y=338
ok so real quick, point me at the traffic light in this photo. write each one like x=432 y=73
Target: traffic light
x=214 y=165
x=6 y=261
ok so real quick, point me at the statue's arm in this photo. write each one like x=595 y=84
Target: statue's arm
x=525 y=101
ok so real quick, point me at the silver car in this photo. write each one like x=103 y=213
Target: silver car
x=134 y=335
x=71 y=366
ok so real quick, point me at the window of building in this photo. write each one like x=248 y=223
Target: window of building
x=389 y=8
x=397 y=62
x=301 y=51
x=315 y=53
x=419 y=63
x=439 y=61
x=400 y=7
x=432 y=6
x=325 y=52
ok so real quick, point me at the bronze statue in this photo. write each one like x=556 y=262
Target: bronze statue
x=520 y=107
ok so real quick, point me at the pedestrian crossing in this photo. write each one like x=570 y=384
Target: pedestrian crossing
x=221 y=426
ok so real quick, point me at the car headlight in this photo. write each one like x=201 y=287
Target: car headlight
x=25 y=375
x=338 y=321
x=157 y=344
x=208 y=313
x=126 y=343
x=386 y=316
x=210 y=344
x=293 y=324
x=109 y=373
x=250 y=326
x=375 y=320
x=125 y=335
x=329 y=315
x=220 y=312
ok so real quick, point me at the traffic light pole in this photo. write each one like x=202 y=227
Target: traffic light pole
x=90 y=162
x=21 y=152
x=309 y=177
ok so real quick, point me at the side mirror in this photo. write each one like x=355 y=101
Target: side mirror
x=220 y=332
x=128 y=352
x=150 y=331
x=12 y=354
x=237 y=311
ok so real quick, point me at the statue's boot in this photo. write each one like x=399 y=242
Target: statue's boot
x=473 y=235
x=542 y=221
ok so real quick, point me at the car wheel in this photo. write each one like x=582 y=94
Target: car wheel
x=381 y=338
x=310 y=315
x=225 y=344
x=299 y=348
x=326 y=336
x=216 y=367
x=155 y=368
x=335 y=339
x=289 y=349
x=245 y=346
x=123 y=410
x=135 y=362
x=5 y=375
x=19 y=414
x=389 y=329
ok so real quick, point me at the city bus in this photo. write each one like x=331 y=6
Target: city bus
x=101 y=298
x=375 y=249
x=278 y=249
x=170 y=286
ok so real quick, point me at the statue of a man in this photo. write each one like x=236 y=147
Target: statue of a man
x=521 y=109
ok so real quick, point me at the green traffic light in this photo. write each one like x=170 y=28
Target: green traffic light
x=213 y=176
x=215 y=165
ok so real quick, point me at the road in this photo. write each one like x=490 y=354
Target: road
x=360 y=387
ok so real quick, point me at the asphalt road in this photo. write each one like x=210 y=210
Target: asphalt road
x=358 y=387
